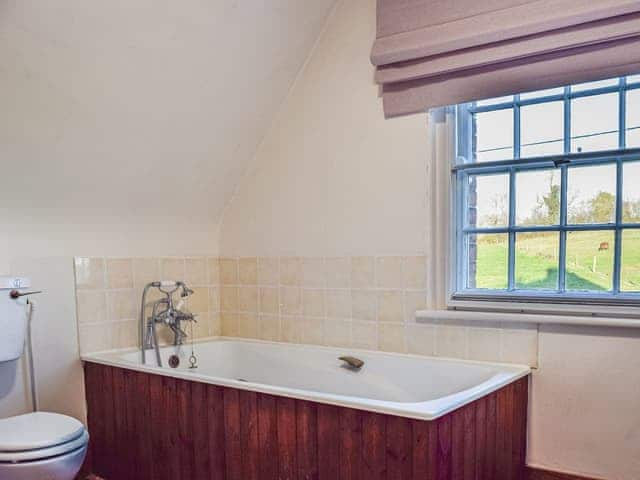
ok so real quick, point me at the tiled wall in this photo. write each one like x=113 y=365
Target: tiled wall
x=109 y=292
x=359 y=302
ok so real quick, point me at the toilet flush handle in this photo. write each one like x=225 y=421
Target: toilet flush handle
x=15 y=294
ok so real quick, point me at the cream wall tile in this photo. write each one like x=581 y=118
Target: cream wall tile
x=389 y=272
x=484 y=344
x=121 y=305
x=92 y=306
x=95 y=337
x=172 y=268
x=199 y=301
x=199 y=329
x=213 y=270
x=390 y=306
x=313 y=272
x=269 y=300
x=364 y=335
x=520 y=346
x=119 y=273
x=414 y=272
x=270 y=328
x=290 y=301
x=215 y=324
x=451 y=341
x=290 y=271
x=146 y=270
x=248 y=299
x=90 y=273
x=289 y=329
x=414 y=301
x=248 y=271
x=248 y=325
x=337 y=333
x=214 y=299
x=228 y=324
x=268 y=271
x=229 y=299
x=310 y=330
x=391 y=337
x=338 y=303
x=313 y=302
x=338 y=272
x=362 y=272
x=363 y=304
x=421 y=339
x=125 y=334
x=229 y=271
x=196 y=271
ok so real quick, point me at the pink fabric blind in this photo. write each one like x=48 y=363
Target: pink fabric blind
x=439 y=52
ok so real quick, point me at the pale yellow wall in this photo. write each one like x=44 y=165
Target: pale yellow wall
x=333 y=178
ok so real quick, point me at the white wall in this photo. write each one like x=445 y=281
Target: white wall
x=124 y=127
x=333 y=178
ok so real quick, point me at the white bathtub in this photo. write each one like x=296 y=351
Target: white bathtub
x=406 y=385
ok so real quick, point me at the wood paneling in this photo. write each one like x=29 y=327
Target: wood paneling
x=146 y=426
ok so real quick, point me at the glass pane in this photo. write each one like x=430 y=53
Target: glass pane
x=591 y=196
x=633 y=118
x=537 y=260
x=631 y=193
x=487 y=261
x=494 y=135
x=581 y=87
x=630 y=272
x=542 y=93
x=538 y=197
x=494 y=101
x=488 y=200
x=594 y=123
x=542 y=129
x=633 y=79
x=590 y=261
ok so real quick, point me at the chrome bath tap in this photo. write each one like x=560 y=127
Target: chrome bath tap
x=164 y=312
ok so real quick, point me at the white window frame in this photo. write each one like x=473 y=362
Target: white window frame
x=444 y=199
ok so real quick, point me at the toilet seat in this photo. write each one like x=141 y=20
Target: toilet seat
x=40 y=435
x=43 y=453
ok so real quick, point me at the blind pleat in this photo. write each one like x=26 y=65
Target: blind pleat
x=584 y=64
x=495 y=37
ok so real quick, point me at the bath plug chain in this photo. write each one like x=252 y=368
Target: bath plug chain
x=193 y=360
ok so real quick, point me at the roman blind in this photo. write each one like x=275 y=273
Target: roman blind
x=431 y=53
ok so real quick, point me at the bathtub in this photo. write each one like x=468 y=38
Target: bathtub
x=256 y=410
x=412 y=386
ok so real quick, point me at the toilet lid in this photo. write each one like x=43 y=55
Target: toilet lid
x=37 y=430
x=79 y=443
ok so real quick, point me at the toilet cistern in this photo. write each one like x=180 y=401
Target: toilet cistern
x=13 y=317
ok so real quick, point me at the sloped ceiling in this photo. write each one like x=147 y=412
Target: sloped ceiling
x=142 y=105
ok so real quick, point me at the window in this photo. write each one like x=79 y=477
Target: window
x=547 y=200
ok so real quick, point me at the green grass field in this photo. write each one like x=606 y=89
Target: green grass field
x=589 y=262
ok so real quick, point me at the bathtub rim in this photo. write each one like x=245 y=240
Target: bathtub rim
x=427 y=410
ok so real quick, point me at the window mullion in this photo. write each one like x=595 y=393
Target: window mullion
x=512 y=234
x=512 y=195
x=622 y=142
x=564 y=175
x=617 y=258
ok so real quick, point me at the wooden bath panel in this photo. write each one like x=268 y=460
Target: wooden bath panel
x=145 y=426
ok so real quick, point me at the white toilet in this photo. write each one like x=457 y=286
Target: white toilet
x=40 y=445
